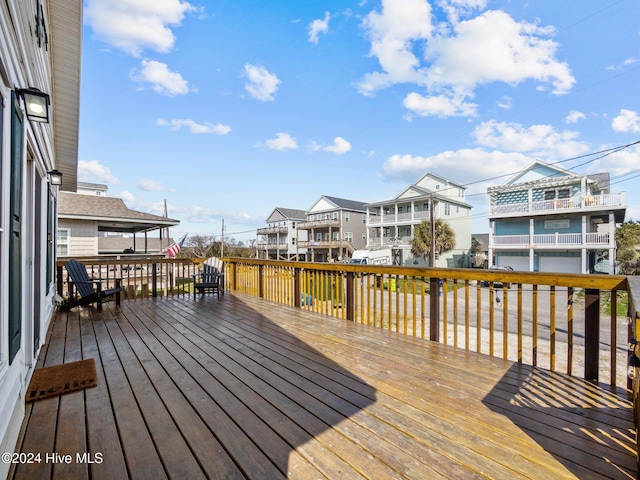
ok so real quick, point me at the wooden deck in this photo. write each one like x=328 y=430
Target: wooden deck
x=236 y=387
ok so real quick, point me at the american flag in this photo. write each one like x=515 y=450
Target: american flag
x=173 y=250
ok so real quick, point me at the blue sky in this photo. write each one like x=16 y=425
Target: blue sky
x=228 y=109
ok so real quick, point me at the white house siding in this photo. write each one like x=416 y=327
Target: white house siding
x=83 y=237
x=31 y=280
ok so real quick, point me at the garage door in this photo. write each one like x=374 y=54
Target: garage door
x=517 y=263
x=560 y=264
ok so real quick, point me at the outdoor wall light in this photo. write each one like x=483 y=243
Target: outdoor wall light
x=36 y=103
x=55 y=177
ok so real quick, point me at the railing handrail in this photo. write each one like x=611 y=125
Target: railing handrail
x=598 y=281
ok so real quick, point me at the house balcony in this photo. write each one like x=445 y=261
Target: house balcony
x=400 y=218
x=272 y=230
x=564 y=205
x=283 y=376
x=327 y=222
x=575 y=240
x=389 y=241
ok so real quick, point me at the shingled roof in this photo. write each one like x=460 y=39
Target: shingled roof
x=111 y=213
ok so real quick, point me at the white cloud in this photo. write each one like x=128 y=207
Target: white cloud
x=541 y=141
x=162 y=80
x=94 y=171
x=195 y=128
x=317 y=27
x=126 y=196
x=261 y=84
x=439 y=105
x=458 y=56
x=340 y=146
x=619 y=163
x=626 y=121
x=149 y=185
x=575 y=116
x=134 y=25
x=392 y=33
x=465 y=166
x=505 y=102
x=493 y=47
x=283 y=141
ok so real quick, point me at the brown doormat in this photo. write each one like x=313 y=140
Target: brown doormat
x=52 y=381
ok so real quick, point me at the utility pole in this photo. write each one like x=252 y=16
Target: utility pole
x=222 y=240
x=432 y=247
x=166 y=230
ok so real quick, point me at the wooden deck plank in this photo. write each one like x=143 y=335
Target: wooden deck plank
x=248 y=371
x=400 y=418
x=139 y=450
x=324 y=403
x=225 y=389
x=70 y=434
x=103 y=441
x=174 y=452
x=212 y=457
x=246 y=389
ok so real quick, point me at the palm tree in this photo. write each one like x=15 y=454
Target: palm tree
x=421 y=241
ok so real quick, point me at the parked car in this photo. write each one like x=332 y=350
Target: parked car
x=504 y=268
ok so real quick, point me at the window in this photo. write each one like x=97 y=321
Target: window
x=348 y=236
x=346 y=217
x=293 y=241
x=62 y=242
x=399 y=209
x=364 y=219
x=557 y=193
x=319 y=237
x=336 y=236
x=447 y=209
x=293 y=224
x=425 y=207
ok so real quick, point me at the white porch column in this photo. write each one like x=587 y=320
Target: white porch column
x=612 y=244
x=490 y=250
x=532 y=247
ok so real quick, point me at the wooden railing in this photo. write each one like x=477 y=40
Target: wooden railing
x=562 y=322
x=140 y=277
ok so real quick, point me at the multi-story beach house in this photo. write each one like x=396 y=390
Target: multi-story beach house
x=336 y=228
x=278 y=240
x=391 y=223
x=547 y=219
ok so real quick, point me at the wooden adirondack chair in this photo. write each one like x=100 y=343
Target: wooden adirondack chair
x=210 y=277
x=89 y=290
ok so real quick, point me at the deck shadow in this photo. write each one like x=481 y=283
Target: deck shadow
x=586 y=432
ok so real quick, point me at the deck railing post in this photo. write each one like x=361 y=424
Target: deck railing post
x=297 y=295
x=260 y=281
x=434 y=309
x=154 y=280
x=351 y=296
x=591 y=334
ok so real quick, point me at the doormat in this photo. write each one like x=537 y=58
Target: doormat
x=60 y=379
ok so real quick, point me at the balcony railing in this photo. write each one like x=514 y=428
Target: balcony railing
x=270 y=230
x=326 y=222
x=551 y=239
x=580 y=203
x=392 y=218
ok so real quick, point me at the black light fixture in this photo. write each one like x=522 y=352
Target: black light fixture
x=36 y=103
x=55 y=177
